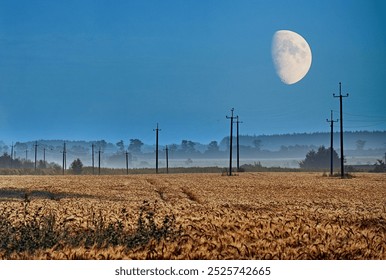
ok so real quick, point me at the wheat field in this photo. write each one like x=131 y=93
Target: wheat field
x=193 y=216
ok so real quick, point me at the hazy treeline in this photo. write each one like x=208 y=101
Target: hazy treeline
x=6 y=161
x=142 y=154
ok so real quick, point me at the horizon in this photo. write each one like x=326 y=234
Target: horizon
x=87 y=70
x=284 y=150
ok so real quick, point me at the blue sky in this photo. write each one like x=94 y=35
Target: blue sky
x=90 y=70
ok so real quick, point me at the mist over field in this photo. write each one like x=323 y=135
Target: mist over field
x=286 y=150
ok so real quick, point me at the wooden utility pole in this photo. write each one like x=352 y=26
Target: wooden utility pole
x=167 y=158
x=12 y=155
x=230 y=142
x=12 y=152
x=36 y=152
x=340 y=96
x=331 y=144
x=238 y=143
x=92 y=158
x=127 y=163
x=99 y=161
x=156 y=148
x=64 y=158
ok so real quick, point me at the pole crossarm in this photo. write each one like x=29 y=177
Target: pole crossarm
x=332 y=119
x=340 y=92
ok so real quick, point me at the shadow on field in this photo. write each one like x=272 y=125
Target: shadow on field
x=10 y=193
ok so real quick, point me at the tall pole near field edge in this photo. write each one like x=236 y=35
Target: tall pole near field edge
x=92 y=158
x=156 y=148
x=230 y=142
x=36 y=153
x=167 y=158
x=99 y=161
x=341 y=129
x=238 y=143
x=127 y=163
x=64 y=158
x=12 y=155
x=331 y=144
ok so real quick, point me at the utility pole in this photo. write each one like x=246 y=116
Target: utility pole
x=167 y=158
x=64 y=157
x=26 y=155
x=44 y=155
x=127 y=163
x=12 y=151
x=92 y=157
x=12 y=155
x=341 y=129
x=156 y=148
x=230 y=142
x=238 y=143
x=36 y=152
x=99 y=161
x=331 y=144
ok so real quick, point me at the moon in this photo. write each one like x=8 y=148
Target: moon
x=291 y=56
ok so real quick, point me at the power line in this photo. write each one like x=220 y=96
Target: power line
x=360 y=126
x=367 y=121
x=364 y=116
x=364 y=120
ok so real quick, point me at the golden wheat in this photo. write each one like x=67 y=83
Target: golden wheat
x=251 y=216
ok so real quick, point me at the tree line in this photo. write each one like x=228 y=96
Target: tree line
x=6 y=161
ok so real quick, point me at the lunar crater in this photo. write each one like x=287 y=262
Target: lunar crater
x=291 y=56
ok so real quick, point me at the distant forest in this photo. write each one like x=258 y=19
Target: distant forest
x=297 y=145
